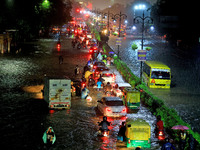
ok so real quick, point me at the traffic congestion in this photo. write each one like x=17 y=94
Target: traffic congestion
x=117 y=102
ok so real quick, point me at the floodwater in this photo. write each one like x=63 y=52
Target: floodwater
x=24 y=115
x=184 y=94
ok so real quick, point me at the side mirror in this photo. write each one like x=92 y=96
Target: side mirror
x=99 y=101
x=129 y=125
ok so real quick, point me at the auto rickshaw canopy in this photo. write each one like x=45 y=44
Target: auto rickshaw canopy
x=138 y=130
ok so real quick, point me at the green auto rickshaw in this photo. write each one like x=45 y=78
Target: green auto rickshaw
x=138 y=133
x=131 y=98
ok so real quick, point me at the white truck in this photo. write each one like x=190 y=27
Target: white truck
x=57 y=92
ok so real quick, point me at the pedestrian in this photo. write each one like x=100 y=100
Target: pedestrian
x=60 y=59
x=121 y=134
x=192 y=142
x=168 y=145
x=182 y=139
x=76 y=70
x=99 y=84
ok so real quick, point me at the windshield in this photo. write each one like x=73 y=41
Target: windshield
x=160 y=75
x=114 y=103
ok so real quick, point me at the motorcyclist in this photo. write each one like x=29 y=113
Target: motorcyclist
x=167 y=145
x=159 y=125
x=108 y=87
x=91 y=81
x=50 y=136
x=79 y=45
x=84 y=93
x=104 y=124
x=73 y=43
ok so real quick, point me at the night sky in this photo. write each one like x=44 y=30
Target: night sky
x=102 y=4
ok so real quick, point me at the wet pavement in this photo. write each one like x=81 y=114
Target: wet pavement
x=185 y=88
x=24 y=114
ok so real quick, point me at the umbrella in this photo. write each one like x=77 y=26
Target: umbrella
x=111 y=52
x=180 y=127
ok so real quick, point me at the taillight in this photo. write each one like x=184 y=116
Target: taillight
x=97 y=72
x=108 y=110
x=129 y=141
x=94 y=67
x=124 y=110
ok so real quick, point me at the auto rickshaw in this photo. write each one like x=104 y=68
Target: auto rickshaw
x=138 y=133
x=131 y=98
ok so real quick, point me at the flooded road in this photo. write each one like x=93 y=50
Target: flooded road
x=24 y=116
x=184 y=94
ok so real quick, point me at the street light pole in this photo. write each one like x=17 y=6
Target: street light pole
x=116 y=16
x=108 y=22
x=143 y=18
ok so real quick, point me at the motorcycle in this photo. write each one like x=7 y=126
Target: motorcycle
x=104 y=133
x=160 y=135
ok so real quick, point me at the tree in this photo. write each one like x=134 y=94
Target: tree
x=29 y=18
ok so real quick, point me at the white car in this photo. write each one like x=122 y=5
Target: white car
x=112 y=107
x=118 y=88
x=108 y=76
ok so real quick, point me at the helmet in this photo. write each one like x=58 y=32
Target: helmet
x=104 y=118
x=159 y=117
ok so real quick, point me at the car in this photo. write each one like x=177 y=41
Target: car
x=108 y=76
x=118 y=88
x=98 y=64
x=99 y=71
x=112 y=107
x=93 y=49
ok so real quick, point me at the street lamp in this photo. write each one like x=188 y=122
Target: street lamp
x=143 y=19
x=108 y=23
x=119 y=16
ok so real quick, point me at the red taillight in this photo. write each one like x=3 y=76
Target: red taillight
x=95 y=48
x=97 y=72
x=58 y=45
x=90 y=51
x=124 y=110
x=108 y=110
x=129 y=141
x=94 y=67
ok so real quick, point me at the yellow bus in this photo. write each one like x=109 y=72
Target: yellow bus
x=156 y=74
